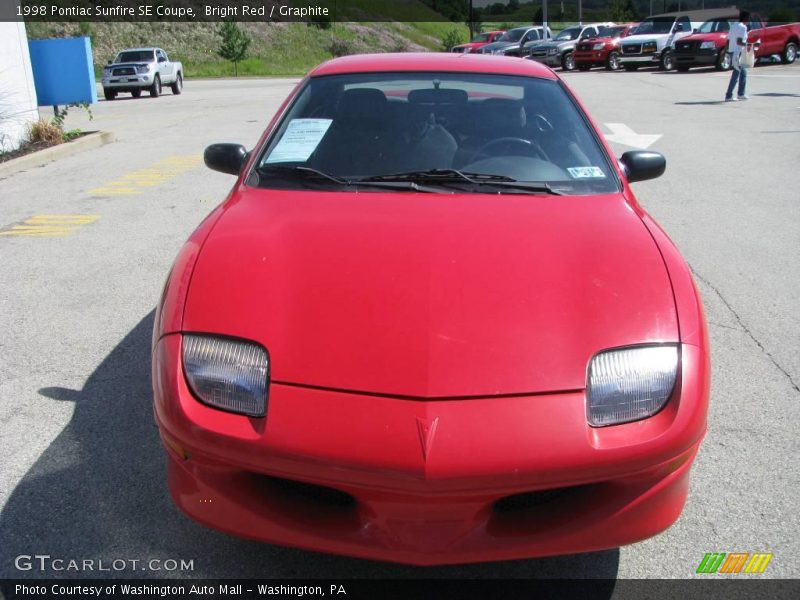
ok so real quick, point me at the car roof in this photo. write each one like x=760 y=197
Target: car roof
x=433 y=61
x=150 y=49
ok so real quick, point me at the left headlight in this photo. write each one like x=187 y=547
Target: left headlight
x=599 y=46
x=229 y=374
x=708 y=46
x=629 y=384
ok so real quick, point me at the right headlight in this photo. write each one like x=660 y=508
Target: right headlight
x=629 y=384
x=599 y=46
x=229 y=374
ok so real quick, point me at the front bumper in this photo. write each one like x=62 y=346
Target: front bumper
x=594 y=57
x=127 y=82
x=699 y=58
x=645 y=59
x=551 y=60
x=492 y=479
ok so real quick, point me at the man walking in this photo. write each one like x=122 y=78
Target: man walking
x=737 y=41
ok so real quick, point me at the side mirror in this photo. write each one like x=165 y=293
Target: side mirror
x=109 y=62
x=695 y=30
x=162 y=59
x=641 y=165
x=678 y=28
x=225 y=158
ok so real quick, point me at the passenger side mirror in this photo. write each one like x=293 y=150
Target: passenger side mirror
x=162 y=59
x=109 y=62
x=640 y=165
x=225 y=158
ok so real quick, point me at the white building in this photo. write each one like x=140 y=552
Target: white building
x=18 y=106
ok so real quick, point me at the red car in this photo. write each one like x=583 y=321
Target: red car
x=479 y=41
x=602 y=51
x=431 y=324
x=708 y=45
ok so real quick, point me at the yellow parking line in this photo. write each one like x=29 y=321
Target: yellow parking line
x=136 y=181
x=48 y=225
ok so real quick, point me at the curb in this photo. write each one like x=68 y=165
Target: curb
x=42 y=157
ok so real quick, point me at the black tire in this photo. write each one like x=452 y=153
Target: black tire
x=109 y=94
x=789 y=54
x=155 y=89
x=667 y=61
x=136 y=93
x=723 y=61
x=567 y=62
x=177 y=87
x=631 y=68
x=612 y=62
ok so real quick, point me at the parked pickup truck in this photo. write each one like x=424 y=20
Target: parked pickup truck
x=479 y=41
x=651 y=45
x=708 y=45
x=558 y=52
x=603 y=50
x=138 y=69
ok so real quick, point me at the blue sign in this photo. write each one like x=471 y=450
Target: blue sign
x=63 y=71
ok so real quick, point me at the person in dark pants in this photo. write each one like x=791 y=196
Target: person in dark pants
x=737 y=43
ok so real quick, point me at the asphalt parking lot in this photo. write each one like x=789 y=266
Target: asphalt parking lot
x=81 y=467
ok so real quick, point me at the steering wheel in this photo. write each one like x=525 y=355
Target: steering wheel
x=542 y=123
x=528 y=146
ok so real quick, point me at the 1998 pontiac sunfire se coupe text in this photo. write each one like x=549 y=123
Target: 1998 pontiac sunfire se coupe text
x=431 y=324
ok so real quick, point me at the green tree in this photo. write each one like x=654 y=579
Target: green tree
x=622 y=11
x=234 y=44
x=779 y=15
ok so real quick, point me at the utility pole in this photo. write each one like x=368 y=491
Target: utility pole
x=471 y=20
x=544 y=18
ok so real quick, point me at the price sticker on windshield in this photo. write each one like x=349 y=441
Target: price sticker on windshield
x=301 y=138
x=586 y=172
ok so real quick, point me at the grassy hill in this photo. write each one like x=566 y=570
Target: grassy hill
x=275 y=49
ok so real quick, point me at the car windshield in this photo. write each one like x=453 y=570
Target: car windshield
x=715 y=26
x=611 y=31
x=481 y=37
x=457 y=132
x=135 y=56
x=655 y=25
x=514 y=35
x=568 y=34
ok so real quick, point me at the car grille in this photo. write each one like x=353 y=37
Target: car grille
x=539 y=53
x=685 y=46
x=584 y=47
x=125 y=71
x=632 y=49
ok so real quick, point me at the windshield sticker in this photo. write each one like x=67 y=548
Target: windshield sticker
x=301 y=138
x=586 y=173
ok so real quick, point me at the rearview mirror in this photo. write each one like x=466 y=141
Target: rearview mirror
x=225 y=158
x=641 y=165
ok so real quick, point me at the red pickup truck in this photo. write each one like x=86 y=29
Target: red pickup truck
x=602 y=50
x=707 y=46
x=479 y=41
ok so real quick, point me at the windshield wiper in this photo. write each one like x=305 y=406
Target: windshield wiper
x=299 y=170
x=309 y=172
x=479 y=179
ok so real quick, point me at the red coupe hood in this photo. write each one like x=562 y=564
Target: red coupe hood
x=427 y=295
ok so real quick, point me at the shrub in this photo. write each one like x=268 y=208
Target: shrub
x=450 y=39
x=340 y=47
x=45 y=133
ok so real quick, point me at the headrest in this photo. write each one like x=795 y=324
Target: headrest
x=362 y=104
x=437 y=96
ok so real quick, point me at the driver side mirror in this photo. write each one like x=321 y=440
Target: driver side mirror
x=678 y=28
x=640 y=165
x=225 y=158
x=109 y=62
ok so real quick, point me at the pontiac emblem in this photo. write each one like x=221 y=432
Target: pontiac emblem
x=427 y=430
